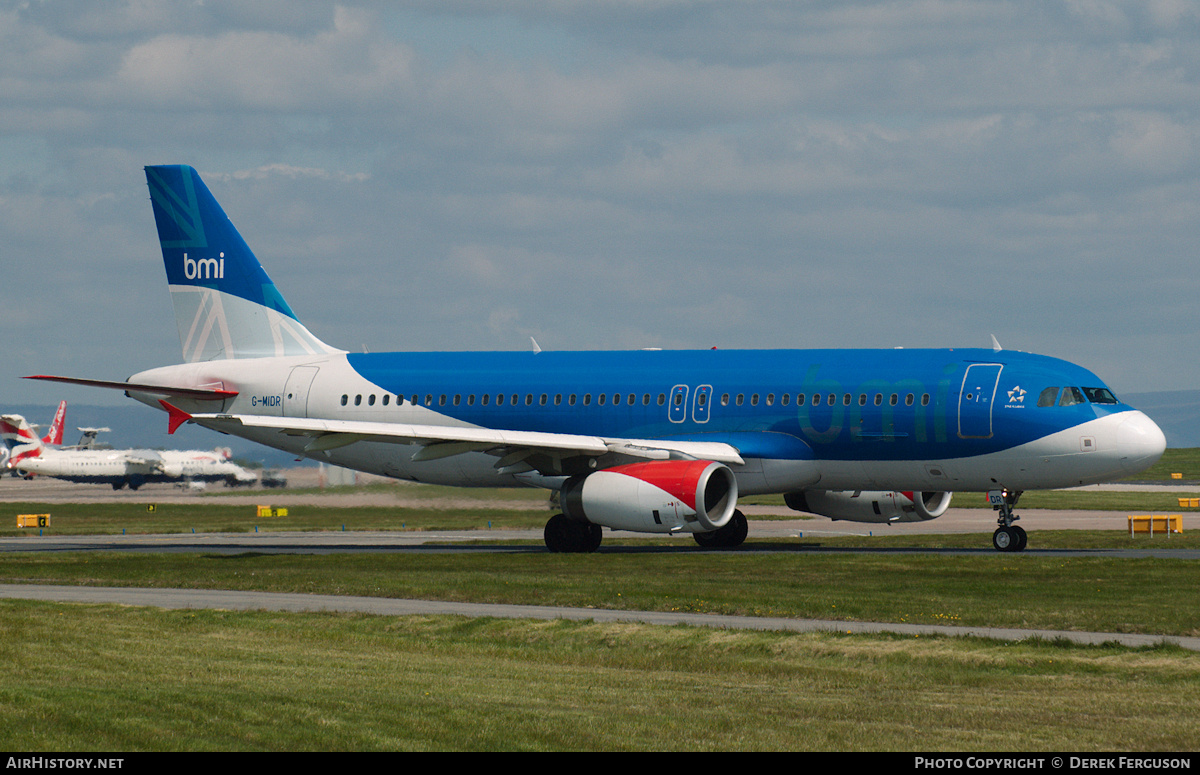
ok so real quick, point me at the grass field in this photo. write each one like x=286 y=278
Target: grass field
x=103 y=678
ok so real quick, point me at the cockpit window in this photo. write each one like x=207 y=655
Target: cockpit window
x=1071 y=396
x=1100 y=395
x=1048 y=396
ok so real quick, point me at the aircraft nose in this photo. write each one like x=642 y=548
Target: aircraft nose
x=1140 y=442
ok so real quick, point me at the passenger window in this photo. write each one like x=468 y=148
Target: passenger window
x=783 y=399
x=800 y=398
x=571 y=399
x=483 y=399
x=754 y=400
x=387 y=399
x=1070 y=397
x=1047 y=396
x=645 y=399
x=345 y=399
x=724 y=399
x=770 y=399
x=741 y=398
x=662 y=398
x=371 y=400
x=358 y=400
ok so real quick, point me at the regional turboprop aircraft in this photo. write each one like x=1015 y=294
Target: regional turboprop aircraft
x=649 y=441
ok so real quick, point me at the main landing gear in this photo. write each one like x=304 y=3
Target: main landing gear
x=571 y=536
x=1008 y=537
x=727 y=537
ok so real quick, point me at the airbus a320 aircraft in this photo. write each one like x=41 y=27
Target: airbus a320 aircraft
x=648 y=441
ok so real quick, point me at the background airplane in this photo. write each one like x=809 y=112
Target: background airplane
x=31 y=456
x=650 y=441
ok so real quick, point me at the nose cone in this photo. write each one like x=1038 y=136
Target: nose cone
x=1140 y=442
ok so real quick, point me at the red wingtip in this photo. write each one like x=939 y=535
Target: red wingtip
x=175 y=416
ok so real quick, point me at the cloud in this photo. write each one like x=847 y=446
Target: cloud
x=463 y=174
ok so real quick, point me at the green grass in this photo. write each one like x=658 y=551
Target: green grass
x=105 y=678
x=1105 y=594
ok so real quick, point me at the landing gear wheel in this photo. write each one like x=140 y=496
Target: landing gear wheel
x=1010 y=539
x=728 y=537
x=564 y=535
x=1022 y=538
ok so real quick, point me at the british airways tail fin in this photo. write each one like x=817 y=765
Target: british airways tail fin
x=225 y=304
x=20 y=440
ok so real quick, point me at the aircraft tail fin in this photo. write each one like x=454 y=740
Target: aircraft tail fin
x=225 y=304
x=55 y=436
x=19 y=438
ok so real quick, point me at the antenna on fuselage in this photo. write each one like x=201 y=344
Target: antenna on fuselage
x=536 y=347
x=995 y=344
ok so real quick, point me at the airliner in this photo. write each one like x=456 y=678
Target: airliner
x=650 y=441
x=31 y=456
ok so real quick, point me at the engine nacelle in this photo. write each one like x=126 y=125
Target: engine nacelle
x=662 y=496
x=877 y=507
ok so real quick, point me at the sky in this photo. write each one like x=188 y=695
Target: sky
x=610 y=174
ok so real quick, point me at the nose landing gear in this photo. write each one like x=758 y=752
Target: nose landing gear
x=1008 y=537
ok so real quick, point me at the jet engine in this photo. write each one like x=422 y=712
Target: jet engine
x=877 y=507
x=663 y=496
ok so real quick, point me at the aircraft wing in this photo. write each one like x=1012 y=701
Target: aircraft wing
x=516 y=450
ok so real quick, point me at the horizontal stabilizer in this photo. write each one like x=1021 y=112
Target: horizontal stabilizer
x=200 y=394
